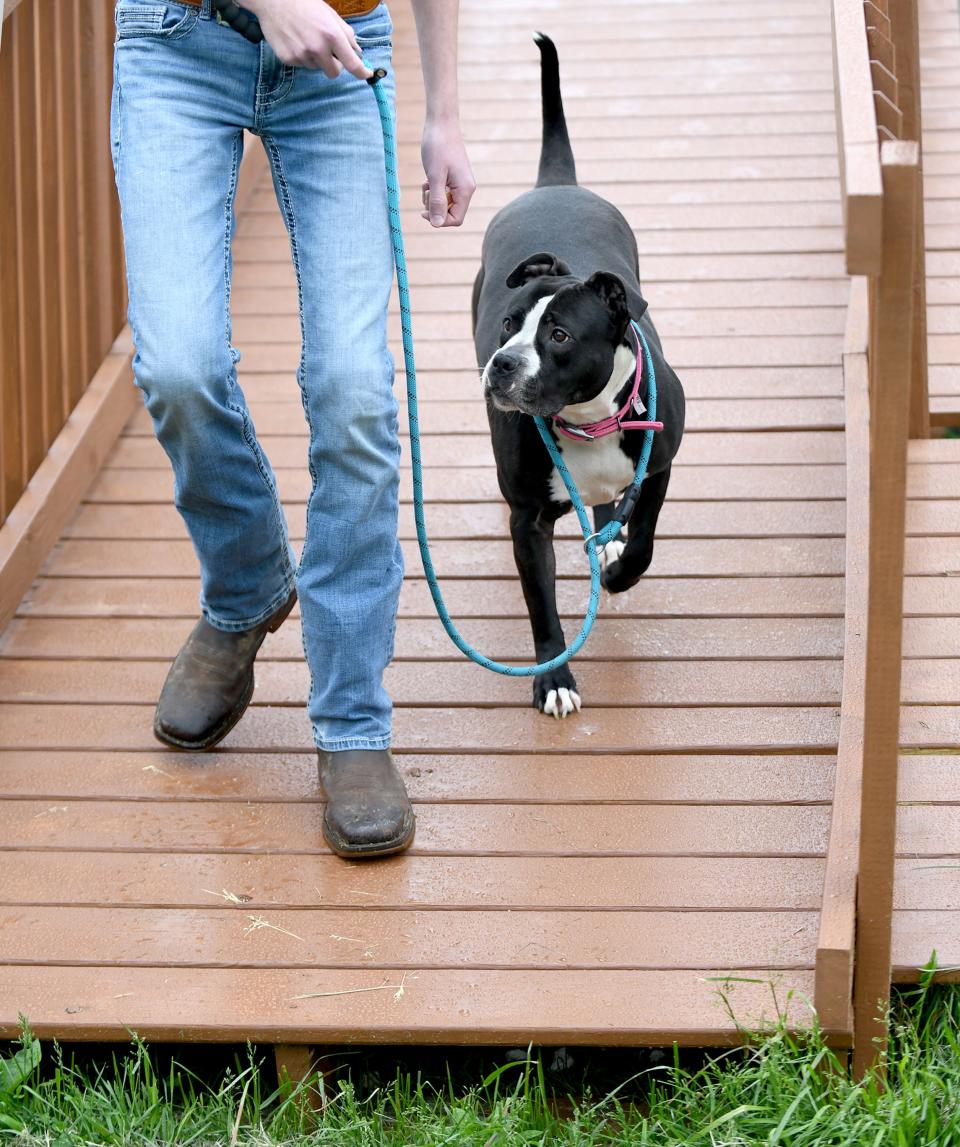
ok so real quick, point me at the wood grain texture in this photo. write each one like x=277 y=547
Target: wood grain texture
x=333 y=938
x=467 y=1007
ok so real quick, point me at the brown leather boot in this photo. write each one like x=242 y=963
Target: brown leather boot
x=368 y=811
x=211 y=682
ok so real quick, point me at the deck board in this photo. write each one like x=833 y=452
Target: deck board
x=580 y=881
x=470 y=1006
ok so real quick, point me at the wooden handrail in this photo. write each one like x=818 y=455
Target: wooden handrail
x=861 y=182
x=876 y=55
x=876 y=59
x=891 y=334
x=856 y=912
x=833 y=993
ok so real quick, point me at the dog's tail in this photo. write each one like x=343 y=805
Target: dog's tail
x=557 y=166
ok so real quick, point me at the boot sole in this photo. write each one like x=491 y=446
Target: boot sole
x=214 y=738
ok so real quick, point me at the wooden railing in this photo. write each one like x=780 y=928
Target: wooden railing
x=66 y=384
x=65 y=380
x=61 y=280
x=884 y=369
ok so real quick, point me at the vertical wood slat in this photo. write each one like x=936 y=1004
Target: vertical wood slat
x=68 y=225
x=91 y=178
x=105 y=290
x=889 y=370
x=48 y=316
x=11 y=468
x=21 y=43
x=117 y=274
x=81 y=201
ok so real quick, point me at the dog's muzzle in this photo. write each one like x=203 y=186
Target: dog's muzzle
x=500 y=379
x=508 y=385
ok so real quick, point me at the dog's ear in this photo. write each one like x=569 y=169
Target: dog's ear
x=613 y=295
x=543 y=263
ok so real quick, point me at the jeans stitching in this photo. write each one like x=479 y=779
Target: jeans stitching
x=115 y=127
x=153 y=27
x=276 y=164
x=247 y=429
x=229 y=214
x=282 y=89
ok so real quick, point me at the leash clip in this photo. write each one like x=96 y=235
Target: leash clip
x=598 y=547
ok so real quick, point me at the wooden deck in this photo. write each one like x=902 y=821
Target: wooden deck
x=592 y=880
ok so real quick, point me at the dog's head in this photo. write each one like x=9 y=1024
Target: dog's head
x=558 y=339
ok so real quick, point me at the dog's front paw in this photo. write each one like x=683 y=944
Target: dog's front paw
x=555 y=694
x=627 y=570
x=618 y=577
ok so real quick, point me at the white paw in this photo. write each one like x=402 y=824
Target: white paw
x=560 y=702
x=612 y=552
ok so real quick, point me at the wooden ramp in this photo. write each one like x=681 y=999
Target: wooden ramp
x=639 y=874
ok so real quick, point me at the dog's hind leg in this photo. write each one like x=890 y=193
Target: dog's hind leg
x=554 y=693
x=638 y=551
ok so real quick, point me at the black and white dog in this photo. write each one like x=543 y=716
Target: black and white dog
x=558 y=285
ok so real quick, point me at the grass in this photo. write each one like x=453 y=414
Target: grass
x=780 y=1089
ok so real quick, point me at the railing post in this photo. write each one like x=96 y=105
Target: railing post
x=905 y=33
x=890 y=362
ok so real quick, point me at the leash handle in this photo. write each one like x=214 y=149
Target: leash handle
x=403 y=288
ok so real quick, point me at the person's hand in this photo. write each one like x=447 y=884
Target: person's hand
x=309 y=34
x=450 y=184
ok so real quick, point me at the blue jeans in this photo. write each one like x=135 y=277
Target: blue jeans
x=185 y=88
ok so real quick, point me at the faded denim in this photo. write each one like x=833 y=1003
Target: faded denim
x=184 y=89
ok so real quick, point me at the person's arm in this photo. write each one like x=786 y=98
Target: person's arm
x=450 y=184
x=309 y=34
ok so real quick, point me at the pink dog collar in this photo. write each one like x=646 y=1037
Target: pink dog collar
x=586 y=433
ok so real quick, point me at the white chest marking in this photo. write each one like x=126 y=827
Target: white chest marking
x=599 y=468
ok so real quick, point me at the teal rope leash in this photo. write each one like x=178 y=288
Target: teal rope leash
x=593 y=542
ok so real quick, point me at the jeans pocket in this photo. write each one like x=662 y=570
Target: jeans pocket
x=134 y=19
x=373 y=30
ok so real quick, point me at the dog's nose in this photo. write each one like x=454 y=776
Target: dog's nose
x=505 y=362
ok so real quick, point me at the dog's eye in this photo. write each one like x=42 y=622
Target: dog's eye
x=559 y=335
x=507 y=325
